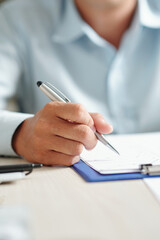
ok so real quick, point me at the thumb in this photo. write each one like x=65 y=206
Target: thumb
x=100 y=124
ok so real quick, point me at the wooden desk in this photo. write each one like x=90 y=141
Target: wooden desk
x=64 y=206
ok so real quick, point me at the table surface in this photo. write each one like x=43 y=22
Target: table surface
x=64 y=206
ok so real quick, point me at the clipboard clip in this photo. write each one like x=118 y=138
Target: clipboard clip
x=150 y=169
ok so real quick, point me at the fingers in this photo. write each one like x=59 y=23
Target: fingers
x=55 y=158
x=51 y=157
x=100 y=124
x=57 y=134
x=76 y=132
x=63 y=145
x=73 y=112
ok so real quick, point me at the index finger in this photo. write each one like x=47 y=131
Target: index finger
x=74 y=112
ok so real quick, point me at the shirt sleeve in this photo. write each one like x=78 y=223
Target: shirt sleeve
x=10 y=73
x=9 y=121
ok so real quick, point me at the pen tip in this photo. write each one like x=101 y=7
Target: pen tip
x=39 y=83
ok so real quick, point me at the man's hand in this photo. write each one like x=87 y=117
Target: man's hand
x=57 y=134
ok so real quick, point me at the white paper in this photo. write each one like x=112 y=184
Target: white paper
x=134 y=150
x=9 y=177
x=154 y=185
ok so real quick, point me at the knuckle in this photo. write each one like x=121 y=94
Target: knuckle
x=78 y=148
x=85 y=133
x=68 y=163
x=51 y=106
x=92 y=144
x=90 y=122
x=48 y=106
x=87 y=137
x=79 y=110
x=72 y=160
x=56 y=104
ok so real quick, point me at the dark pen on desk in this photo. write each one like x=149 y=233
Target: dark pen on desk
x=55 y=95
x=19 y=167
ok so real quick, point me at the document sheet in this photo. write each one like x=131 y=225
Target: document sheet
x=134 y=150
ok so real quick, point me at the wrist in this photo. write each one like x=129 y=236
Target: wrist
x=17 y=139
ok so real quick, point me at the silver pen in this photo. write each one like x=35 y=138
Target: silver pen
x=55 y=95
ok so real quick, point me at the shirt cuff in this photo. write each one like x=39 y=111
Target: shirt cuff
x=9 y=121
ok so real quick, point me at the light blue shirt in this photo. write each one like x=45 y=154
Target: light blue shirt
x=46 y=40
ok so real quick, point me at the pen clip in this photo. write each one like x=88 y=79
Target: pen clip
x=29 y=172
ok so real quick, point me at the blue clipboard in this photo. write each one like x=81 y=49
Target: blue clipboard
x=90 y=175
